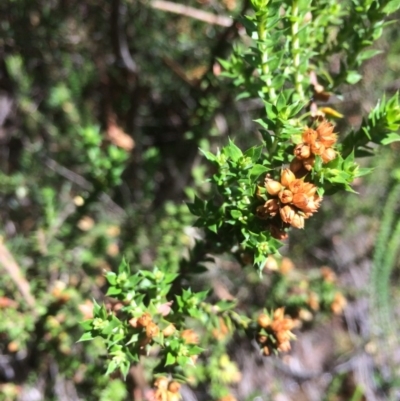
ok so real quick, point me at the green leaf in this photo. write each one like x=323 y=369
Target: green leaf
x=183 y=360
x=391 y=7
x=111 y=368
x=124 y=267
x=236 y=214
x=257 y=170
x=353 y=77
x=111 y=278
x=113 y=291
x=232 y=151
x=170 y=359
x=86 y=337
x=208 y=155
x=390 y=138
x=281 y=102
x=125 y=369
x=367 y=54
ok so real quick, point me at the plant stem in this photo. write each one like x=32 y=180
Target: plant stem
x=298 y=76
x=262 y=37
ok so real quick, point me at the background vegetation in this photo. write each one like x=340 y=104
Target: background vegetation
x=103 y=106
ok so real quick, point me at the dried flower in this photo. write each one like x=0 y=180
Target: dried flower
x=286 y=196
x=263 y=320
x=302 y=151
x=286 y=266
x=287 y=176
x=313 y=301
x=152 y=330
x=338 y=304
x=271 y=264
x=273 y=187
x=326 y=136
x=190 y=337
x=279 y=331
x=328 y=155
x=169 y=330
x=315 y=142
x=328 y=275
x=174 y=387
x=144 y=320
x=161 y=383
x=296 y=201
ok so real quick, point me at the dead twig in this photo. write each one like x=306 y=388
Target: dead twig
x=192 y=12
x=8 y=262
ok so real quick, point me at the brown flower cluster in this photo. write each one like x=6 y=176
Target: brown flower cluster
x=292 y=200
x=166 y=390
x=275 y=333
x=338 y=304
x=315 y=142
x=150 y=328
x=189 y=336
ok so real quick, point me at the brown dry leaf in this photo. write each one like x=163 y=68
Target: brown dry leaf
x=117 y=136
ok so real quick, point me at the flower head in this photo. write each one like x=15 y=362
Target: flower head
x=315 y=142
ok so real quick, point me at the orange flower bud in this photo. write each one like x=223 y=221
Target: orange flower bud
x=311 y=206
x=313 y=301
x=174 y=387
x=286 y=196
x=271 y=206
x=328 y=275
x=338 y=304
x=169 y=330
x=310 y=136
x=282 y=336
x=133 y=322
x=325 y=134
x=190 y=337
x=266 y=351
x=144 y=320
x=271 y=264
x=328 y=155
x=269 y=209
x=273 y=187
x=161 y=383
x=287 y=177
x=284 y=347
x=173 y=396
x=302 y=151
x=301 y=200
x=152 y=330
x=317 y=148
x=297 y=221
x=286 y=266
x=296 y=186
x=287 y=214
x=308 y=189
x=279 y=313
x=263 y=320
